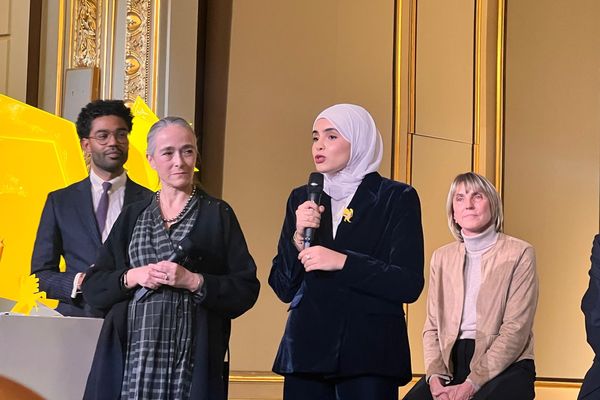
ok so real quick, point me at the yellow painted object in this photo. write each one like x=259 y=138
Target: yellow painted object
x=29 y=294
x=39 y=153
x=348 y=214
x=137 y=166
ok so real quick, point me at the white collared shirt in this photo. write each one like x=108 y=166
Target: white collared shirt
x=116 y=197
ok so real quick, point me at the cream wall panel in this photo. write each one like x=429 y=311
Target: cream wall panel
x=444 y=75
x=3 y=64
x=288 y=61
x=48 y=54
x=552 y=164
x=117 y=87
x=4 y=16
x=363 y=55
x=180 y=60
x=435 y=164
x=16 y=83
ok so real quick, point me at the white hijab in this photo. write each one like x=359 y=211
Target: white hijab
x=356 y=125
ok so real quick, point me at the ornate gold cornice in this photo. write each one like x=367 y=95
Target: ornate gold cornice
x=86 y=34
x=137 y=51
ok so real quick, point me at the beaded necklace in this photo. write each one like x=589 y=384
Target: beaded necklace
x=183 y=210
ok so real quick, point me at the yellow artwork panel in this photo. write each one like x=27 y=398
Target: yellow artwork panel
x=40 y=153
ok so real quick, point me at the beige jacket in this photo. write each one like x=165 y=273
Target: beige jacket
x=506 y=307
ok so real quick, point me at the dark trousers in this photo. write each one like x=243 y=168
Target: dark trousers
x=357 y=388
x=515 y=383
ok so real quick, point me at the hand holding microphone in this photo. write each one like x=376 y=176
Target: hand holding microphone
x=308 y=220
x=315 y=189
x=308 y=214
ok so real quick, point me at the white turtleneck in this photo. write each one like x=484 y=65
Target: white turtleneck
x=475 y=247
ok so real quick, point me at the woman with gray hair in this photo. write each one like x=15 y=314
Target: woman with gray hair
x=482 y=297
x=172 y=274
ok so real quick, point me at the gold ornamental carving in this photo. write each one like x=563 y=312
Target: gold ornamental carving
x=137 y=51
x=87 y=33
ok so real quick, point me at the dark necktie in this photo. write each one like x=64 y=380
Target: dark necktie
x=102 y=209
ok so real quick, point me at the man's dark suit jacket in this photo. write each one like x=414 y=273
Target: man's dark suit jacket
x=68 y=228
x=590 y=305
x=351 y=322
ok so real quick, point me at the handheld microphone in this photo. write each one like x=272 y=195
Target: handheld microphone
x=179 y=253
x=315 y=189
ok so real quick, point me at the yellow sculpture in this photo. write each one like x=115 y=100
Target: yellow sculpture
x=29 y=293
x=137 y=166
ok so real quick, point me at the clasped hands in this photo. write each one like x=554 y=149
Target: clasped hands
x=308 y=215
x=463 y=391
x=153 y=276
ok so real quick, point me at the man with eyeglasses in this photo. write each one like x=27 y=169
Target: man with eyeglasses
x=76 y=220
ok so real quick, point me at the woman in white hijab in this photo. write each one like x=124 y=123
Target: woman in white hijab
x=345 y=336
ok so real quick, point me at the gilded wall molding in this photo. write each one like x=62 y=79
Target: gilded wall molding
x=408 y=94
x=477 y=78
x=137 y=50
x=86 y=34
x=500 y=75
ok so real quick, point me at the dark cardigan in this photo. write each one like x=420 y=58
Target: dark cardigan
x=219 y=253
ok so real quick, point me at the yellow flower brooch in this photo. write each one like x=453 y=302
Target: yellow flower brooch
x=348 y=213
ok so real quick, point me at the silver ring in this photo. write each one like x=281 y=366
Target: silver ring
x=166 y=277
x=308 y=256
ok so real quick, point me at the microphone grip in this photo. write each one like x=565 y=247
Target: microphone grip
x=174 y=256
x=308 y=237
x=310 y=232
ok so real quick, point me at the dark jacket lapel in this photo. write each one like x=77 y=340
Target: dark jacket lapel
x=364 y=198
x=134 y=192
x=85 y=210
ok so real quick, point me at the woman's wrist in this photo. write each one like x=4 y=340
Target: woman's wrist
x=197 y=282
x=124 y=280
x=298 y=239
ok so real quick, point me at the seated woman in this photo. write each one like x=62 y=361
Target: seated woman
x=172 y=274
x=483 y=292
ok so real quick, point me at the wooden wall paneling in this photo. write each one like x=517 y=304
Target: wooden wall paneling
x=436 y=162
x=552 y=164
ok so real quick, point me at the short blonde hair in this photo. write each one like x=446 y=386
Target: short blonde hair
x=474 y=182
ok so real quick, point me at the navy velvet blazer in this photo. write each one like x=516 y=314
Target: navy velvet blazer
x=351 y=322
x=68 y=228
x=590 y=305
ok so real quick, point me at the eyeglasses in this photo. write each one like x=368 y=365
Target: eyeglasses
x=103 y=137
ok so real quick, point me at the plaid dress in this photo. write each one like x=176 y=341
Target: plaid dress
x=159 y=359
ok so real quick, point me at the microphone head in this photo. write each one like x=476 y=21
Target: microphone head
x=315 y=183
